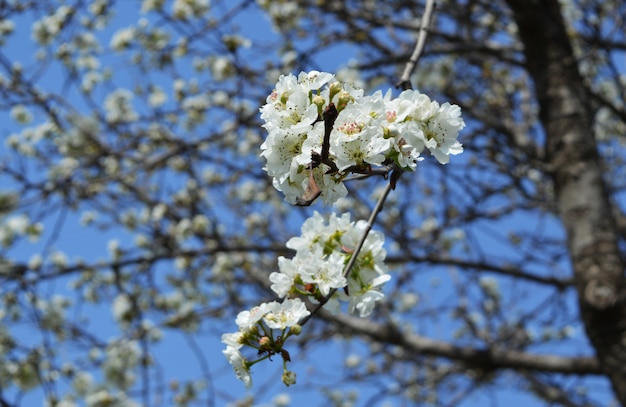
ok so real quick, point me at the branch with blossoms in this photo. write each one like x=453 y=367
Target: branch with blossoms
x=321 y=133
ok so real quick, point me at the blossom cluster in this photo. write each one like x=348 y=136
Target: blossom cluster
x=369 y=130
x=322 y=251
x=316 y=271
x=319 y=132
x=265 y=328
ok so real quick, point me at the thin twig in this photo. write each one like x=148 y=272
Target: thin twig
x=330 y=115
x=355 y=253
x=404 y=83
x=405 y=79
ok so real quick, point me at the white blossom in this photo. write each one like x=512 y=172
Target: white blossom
x=45 y=30
x=119 y=108
x=364 y=302
x=281 y=400
x=149 y=5
x=247 y=319
x=442 y=132
x=21 y=114
x=283 y=281
x=233 y=339
x=326 y=273
x=352 y=361
x=104 y=398
x=186 y=9
x=122 y=307
x=157 y=96
x=239 y=364
x=6 y=27
x=286 y=314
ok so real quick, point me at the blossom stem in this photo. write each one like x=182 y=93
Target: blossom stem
x=355 y=253
x=330 y=115
x=370 y=222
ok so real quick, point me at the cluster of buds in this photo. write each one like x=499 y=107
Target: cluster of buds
x=316 y=272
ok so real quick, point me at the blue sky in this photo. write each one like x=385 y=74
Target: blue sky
x=176 y=354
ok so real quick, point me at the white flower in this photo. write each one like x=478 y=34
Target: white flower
x=156 y=97
x=282 y=400
x=293 y=134
x=103 y=398
x=364 y=302
x=149 y=5
x=21 y=114
x=279 y=149
x=35 y=262
x=314 y=80
x=352 y=361
x=297 y=182
x=239 y=364
x=18 y=224
x=443 y=129
x=122 y=307
x=222 y=68
x=315 y=231
x=122 y=38
x=6 y=27
x=233 y=340
x=372 y=255
x=185 y=9
x=247 y=319
x=233 y=42
x=59 y=259
x=357 y=137
x=286 y=314
x=283 y=282
x=90 y=80
x=82 y=382
x=45 y=30
x=326 y=273
x=119 y=108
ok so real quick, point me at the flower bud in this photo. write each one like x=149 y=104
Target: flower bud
x=265 y=341
x=289 y=378
x=319 y=101
x=334 y=88
x=343 y=99
x=296 y=329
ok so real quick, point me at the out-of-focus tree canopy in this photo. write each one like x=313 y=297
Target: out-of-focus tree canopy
x=136 y=219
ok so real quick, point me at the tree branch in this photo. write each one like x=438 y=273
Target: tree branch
x=483 y=358
x=405 y=79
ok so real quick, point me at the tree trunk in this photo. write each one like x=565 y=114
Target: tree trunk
x=580 y=191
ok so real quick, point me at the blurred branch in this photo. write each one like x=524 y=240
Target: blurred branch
x=18 y=271
x=552 y=393
x=603 y=101
x=486 y=359
x=507 y=270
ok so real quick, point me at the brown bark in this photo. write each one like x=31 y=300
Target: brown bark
x=580 y=191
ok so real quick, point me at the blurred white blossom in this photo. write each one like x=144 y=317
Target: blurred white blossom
x=186 y=9
x=119 y=108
